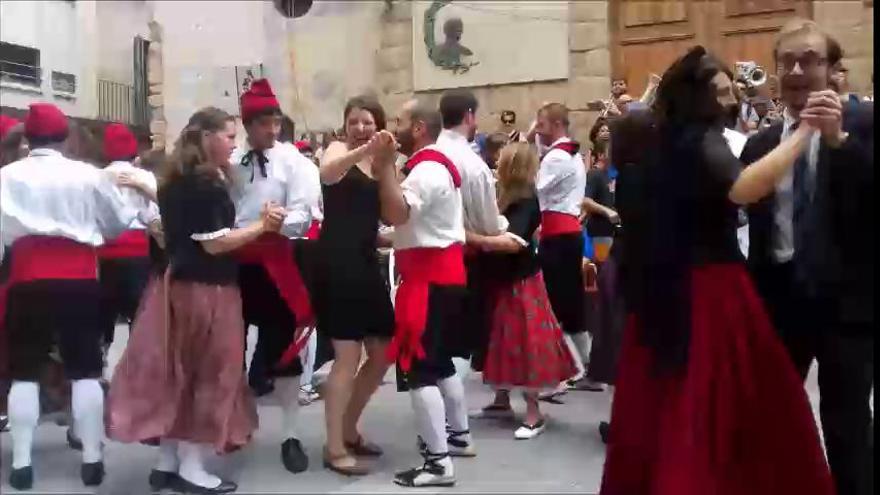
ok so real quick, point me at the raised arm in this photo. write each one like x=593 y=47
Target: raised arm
x=758 y=179
x=338 y=160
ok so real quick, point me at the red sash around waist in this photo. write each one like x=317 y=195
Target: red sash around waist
x=45 y=258
x=314 y=231
x=419 y=268
x=275 y=253
x=556 y=223
x=130 y=244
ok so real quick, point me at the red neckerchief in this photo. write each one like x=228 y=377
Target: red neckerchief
x=432 y=155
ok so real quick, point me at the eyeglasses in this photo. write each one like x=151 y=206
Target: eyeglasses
x=807 y=61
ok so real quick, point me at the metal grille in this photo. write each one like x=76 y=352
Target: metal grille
x=115 y=102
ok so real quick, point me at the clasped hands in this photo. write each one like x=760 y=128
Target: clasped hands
x=824 y=112
x=272 y=216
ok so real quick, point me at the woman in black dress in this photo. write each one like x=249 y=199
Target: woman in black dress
x=352 y=305
x=707 y=400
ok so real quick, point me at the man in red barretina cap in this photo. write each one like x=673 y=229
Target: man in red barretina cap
x=274 y=296
x=125 y=261
x=54 y=212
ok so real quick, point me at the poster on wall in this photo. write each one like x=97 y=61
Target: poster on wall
x=459 y=43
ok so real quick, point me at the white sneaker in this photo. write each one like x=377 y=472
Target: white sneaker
x=457 y=447
x=527 y=432
x=436 y=471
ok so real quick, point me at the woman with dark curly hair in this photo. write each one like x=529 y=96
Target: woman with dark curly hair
x=707 y=401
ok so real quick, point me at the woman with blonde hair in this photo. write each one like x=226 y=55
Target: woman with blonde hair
x=526 y=348
x=180 y=380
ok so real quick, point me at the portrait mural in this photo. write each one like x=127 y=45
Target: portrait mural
x=477 y=43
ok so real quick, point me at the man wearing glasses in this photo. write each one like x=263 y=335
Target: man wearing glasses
x=811 y=247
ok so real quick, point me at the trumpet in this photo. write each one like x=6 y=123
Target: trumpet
x=752 y=74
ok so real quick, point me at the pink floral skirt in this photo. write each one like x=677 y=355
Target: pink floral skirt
x=182 y=375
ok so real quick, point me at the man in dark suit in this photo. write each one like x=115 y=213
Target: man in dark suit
x=811 y=248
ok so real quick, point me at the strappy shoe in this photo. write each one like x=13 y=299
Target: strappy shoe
x=363 y=448
x=430 y=473
x=357 y=469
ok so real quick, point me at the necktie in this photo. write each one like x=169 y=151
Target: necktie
x=802 y=189
x=248 y=159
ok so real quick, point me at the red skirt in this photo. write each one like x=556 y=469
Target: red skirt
x=737 y=420
x=185 y=381
x=526 y=346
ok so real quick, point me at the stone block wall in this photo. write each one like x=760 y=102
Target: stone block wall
x=589 y=71
x=851 y=22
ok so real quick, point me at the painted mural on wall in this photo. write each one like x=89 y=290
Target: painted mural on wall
x=476 y=43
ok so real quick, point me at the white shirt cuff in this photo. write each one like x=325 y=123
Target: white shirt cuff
x=519 y=240
x=210 y=236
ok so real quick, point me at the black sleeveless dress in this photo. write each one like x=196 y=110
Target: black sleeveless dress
x=351 y=299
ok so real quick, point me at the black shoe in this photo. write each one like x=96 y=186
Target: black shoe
x=604 y=429
x=92 y=473
x=184 y=486
x=4 y=423
x=162 y=480
x=72 y=441
x=22 y=478
x=293 y=457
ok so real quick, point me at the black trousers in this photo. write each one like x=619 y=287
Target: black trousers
x=264 y=307
x=561 y=257
x=810 y=329
x=123 y=282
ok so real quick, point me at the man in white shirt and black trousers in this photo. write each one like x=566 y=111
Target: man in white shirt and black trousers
x=274 y=296
x=54 y=212
x=426 y=210
x=562 y=179
x=458 y=109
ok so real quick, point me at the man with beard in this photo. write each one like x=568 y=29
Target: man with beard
x=458 y=109
x=426 y=211
x=274 y=295
x=811 y=248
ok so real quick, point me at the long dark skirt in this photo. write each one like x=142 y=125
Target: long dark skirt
x=735 y=420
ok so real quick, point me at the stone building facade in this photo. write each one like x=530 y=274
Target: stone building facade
x=589 y=70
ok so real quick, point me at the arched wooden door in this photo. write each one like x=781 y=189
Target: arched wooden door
x=648 y=35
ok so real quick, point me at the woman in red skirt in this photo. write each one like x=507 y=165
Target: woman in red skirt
x=707 y=400
x=526 y=348
x=181 y=379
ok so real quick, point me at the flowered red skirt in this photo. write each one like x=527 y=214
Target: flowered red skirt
x=526 y=346
x=736 y=421
x=184 y=381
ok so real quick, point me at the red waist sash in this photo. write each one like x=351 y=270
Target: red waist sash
x=314 y=231
x=556 y=223
x=275 y=253
x=419 y=268
x=130 y=244
x=44 y=258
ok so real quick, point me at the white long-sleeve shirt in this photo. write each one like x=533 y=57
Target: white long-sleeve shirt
x=562 y=179
x=478 y=193
x=49 y=195
x=436 y=216
x=147 y=210
x=292 y=181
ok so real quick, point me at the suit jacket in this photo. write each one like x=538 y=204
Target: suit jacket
x=843 y=241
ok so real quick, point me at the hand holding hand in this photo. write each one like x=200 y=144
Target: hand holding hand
x=272 y=216
x=824 y=112
x=128 y=179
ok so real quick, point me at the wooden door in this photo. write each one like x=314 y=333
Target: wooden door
x=648 y=35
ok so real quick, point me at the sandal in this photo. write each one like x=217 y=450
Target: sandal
x=363 y=448
x=357 y=469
